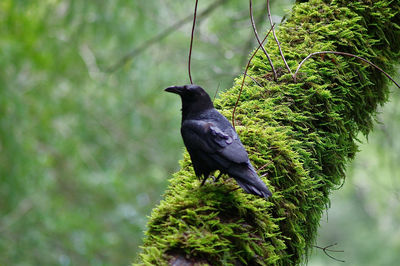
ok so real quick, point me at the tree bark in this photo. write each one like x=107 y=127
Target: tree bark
x=300 y=135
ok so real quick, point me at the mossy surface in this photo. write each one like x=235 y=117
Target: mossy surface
x=301 y=135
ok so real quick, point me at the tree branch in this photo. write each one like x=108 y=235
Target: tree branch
x=300 y=134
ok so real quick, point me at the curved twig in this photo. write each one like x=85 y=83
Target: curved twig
x=191 y=41
x=258 y=40
x=277 y=41
x=216 y=92
x=158 y=37
x=245 y=74
x=346 y=54
x=326 y=250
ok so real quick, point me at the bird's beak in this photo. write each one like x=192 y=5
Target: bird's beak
x=175 y=89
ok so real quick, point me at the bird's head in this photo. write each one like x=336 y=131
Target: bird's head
x=194 y=98
x=189 y=93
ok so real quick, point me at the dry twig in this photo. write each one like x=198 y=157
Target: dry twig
x=157 y=38
x=245 y=74
x=346 y=54
x=276 y=40
x=326 y=250
x=258 y=40
x=191 y=41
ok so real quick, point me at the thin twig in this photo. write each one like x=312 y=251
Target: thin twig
x=276 y=39
x=249 y=43
x=326 y=250
x=265 y=165
x=262 y=167
x=245 y=74
x=157 y=38
x=216 y=92
x=191 y=41
x=258 y=40
x=346 y=54
x=255 y=81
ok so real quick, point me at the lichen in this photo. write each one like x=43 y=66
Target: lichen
x=300 y=136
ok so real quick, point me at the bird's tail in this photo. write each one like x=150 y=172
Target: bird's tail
x=251 y=182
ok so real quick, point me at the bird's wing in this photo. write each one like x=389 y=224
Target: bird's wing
x=208 y=137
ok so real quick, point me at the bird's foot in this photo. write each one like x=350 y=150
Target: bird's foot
x=204 y=181
x=215 y=179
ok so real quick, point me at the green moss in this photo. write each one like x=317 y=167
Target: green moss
x=301 y=135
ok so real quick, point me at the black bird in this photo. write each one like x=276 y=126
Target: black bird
x=213 y=143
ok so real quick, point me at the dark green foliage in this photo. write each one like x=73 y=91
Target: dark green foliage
x=301 y=135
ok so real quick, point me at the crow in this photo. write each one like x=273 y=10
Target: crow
x=213 y=143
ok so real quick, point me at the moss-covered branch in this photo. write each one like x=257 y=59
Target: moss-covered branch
x=301 y=135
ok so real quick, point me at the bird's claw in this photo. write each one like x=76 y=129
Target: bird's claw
x=215 y=179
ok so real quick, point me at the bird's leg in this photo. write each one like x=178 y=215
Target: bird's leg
x=204 y=181
x=218 y=177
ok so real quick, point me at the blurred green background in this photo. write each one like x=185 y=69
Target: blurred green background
x=86 y=153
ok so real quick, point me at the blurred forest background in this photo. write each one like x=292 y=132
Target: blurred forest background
x=86 y=152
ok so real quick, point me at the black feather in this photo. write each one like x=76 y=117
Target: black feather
x=213 y=143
